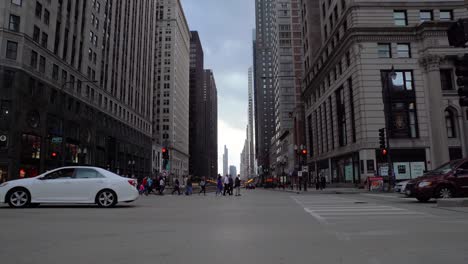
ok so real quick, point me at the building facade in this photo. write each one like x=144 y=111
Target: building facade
x=171 y=94
x=76 y=85
x=197 y=117
x=233 y=171
x=368 y=48
x=225 y=161
x=287 y=53
x=263 y=83
x=209 y=108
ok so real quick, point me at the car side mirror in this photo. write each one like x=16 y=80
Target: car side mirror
x=459 y=172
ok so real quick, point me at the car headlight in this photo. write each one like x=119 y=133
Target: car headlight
x=4 y=184
x=424 y=184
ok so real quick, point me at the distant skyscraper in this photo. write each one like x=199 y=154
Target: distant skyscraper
x=250 y=151
x=225 y=161
x=171 y=104
x=263 y=82
x=233 y=171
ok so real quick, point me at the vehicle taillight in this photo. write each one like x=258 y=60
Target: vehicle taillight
x=132 y=182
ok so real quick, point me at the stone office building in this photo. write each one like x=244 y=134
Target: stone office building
x=366 y=45
x=75 y=85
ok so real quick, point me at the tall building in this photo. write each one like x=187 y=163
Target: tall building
x=76 y=79
x=233 y=171
x=244 y=161
x=171 y=94
x=250 y=151
x=367 y=48
x=263 y=83
x=199 y=161
x=210 y=104
x=287 y=78
x=225 y=161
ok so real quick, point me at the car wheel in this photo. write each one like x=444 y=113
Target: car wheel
x=18 y=198
x=106 y=198
x=445 y=192
x=423 y=199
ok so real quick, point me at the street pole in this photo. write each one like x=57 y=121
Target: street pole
x=387 y=110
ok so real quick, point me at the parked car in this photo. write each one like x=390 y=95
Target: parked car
x=401 y=187
x=70 y=185
x=447 y=181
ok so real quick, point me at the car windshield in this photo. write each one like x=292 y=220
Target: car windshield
x=444 y=169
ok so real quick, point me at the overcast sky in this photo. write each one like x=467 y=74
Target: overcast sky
x=225 y=28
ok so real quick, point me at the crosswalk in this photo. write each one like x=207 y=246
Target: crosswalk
x=331 y=208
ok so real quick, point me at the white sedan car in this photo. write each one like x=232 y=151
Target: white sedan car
x=401 y=187
x=70 y=185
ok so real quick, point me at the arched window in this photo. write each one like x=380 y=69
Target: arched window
x=450 y=123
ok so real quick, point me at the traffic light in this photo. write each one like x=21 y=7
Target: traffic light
x=165 y=154
x=382 y=141
x=458 y=33
x=384 y=152
x=53 y=155
x=304 y=152
x=462 y=79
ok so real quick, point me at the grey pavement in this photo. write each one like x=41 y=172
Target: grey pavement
x=258 y=227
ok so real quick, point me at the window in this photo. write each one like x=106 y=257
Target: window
x=87 y=174
x=446 y=79
x=341 y=117
x=399 y=16
x=16 y=2
x=36 y=34
x=403 y=81
x=38 y=10
x=60 y=174
x=44 y=40
x=46 y=16
x=446 y=15
x=450 y=123
x=55 y=72
x=42 y=64
x=384 y=50
x=12 y=50
x=14 y=23
x=404 y=50
x=33 y=61
x=426 y=15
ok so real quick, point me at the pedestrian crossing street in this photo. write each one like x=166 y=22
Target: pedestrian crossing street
x=331 y=208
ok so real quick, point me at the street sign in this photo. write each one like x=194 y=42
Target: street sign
x=305 y=168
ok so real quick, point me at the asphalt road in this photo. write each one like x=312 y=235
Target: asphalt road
x=258 y=227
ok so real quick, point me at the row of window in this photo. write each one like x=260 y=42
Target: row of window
x=400 y=17
x=384 y=50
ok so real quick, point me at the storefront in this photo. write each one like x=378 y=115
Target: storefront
x=407 y=163
x=345 y=169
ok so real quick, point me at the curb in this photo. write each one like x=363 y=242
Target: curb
x=454 y=202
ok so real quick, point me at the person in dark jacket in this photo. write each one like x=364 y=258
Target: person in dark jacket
x=237 y=184
x=188 y=190
x=176 y=187
x=231 y=185
x=323 y=182
x=202 y=186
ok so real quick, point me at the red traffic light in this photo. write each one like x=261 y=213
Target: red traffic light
x=304 y=152
x=54 y=154
x=164 y=150
x=384 y=152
